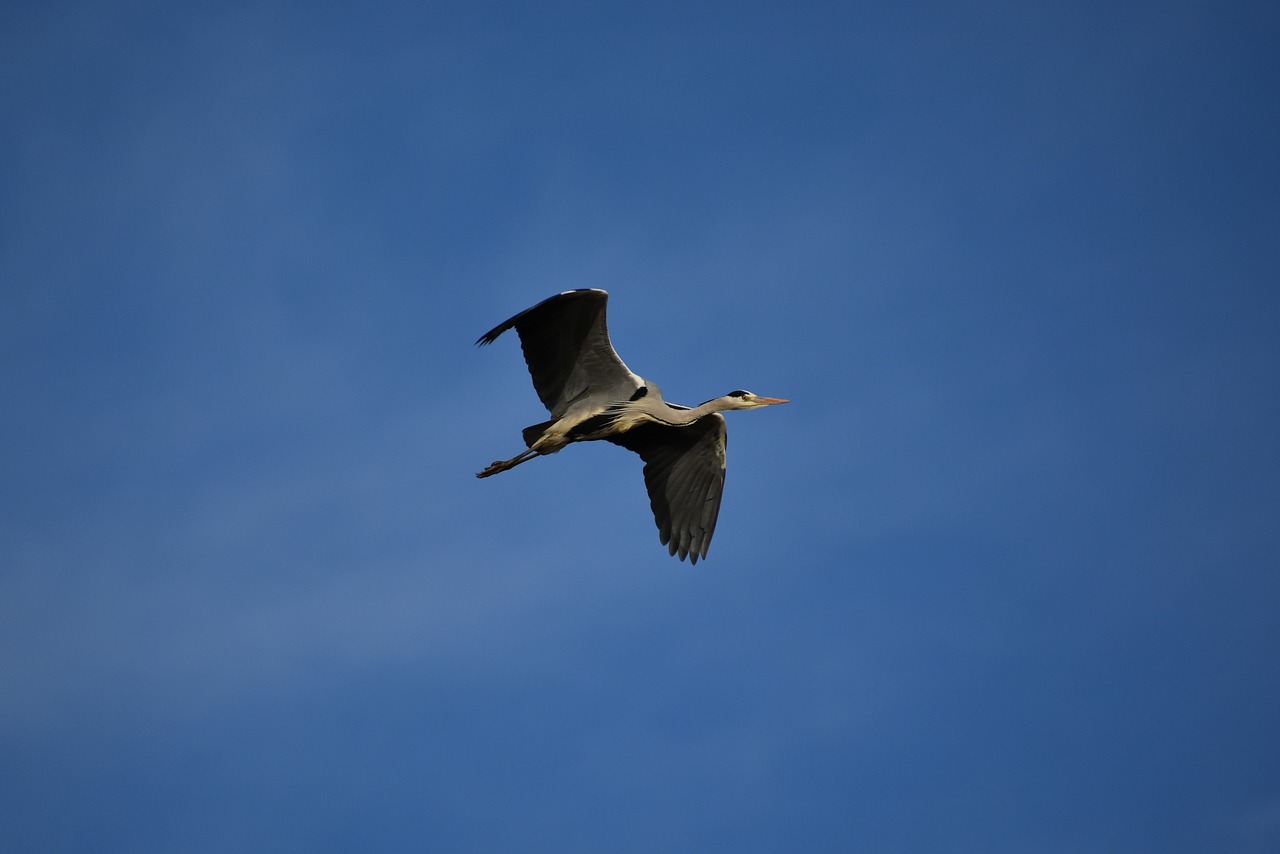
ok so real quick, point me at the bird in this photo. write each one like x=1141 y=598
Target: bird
x=592 y=395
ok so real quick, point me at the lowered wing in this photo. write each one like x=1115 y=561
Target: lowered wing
x=684 y=473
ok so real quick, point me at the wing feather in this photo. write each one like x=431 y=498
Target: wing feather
x=684 y=474
x=566 y=345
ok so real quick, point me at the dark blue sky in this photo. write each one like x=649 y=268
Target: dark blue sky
x=1003 y=577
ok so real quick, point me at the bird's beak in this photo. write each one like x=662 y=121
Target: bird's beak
x=768 y=400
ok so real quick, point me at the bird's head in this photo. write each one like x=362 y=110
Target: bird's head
x=740 y=399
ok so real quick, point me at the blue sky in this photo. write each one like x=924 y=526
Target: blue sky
x=1003 y=577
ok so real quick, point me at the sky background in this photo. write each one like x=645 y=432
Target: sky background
x=1005 y=576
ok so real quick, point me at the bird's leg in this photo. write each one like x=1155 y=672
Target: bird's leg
x=503 y=465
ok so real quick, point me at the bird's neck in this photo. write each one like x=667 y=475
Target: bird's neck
x=680 y=416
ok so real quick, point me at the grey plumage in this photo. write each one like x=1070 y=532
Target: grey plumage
x=592 y=395
x=684 y=474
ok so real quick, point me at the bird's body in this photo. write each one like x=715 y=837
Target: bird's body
x=592 y=395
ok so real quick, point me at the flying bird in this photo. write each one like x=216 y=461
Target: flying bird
x=591 y=394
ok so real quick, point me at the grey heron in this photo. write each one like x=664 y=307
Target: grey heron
x=591 y=394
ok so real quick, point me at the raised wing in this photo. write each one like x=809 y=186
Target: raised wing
x=684 y=473
x=566 y=346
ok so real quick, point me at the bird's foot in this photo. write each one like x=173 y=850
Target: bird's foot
x=502 y=465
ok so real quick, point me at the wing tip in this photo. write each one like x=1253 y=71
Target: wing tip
x=690 y=545
x=492 y=335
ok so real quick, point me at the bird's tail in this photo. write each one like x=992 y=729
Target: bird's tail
x=534 y=432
